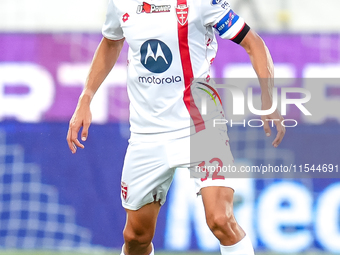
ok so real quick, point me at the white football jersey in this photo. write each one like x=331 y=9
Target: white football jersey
x=170 y=43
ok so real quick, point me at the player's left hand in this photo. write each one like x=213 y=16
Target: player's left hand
x=277 y=119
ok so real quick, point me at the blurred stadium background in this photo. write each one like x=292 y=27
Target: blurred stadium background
x=52 y=200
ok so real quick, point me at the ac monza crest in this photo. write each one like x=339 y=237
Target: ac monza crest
x=124 y=188
x=182 y=13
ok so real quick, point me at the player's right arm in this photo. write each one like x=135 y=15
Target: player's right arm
x=103 y=61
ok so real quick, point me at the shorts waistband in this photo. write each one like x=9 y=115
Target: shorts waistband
x=154 y=137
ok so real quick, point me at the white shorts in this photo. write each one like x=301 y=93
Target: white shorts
x=151 y=160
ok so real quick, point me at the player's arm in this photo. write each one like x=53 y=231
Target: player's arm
x=104 y=59
x=263 y=65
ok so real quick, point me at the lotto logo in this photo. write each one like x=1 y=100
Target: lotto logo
x=125 y=17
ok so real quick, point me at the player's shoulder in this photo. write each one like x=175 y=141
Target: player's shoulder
x=224 y=4
x=213 y=10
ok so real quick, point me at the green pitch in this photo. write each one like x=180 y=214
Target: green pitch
x=34 y=252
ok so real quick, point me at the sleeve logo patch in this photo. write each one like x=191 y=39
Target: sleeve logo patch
x=226 y=22
x=224 y=4
x=214 y=2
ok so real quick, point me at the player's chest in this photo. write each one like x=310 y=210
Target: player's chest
x=141 y=20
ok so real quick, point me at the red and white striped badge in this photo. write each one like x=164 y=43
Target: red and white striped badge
x=124 y=188
x=182 y=13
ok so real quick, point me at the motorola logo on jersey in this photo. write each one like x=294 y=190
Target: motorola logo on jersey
x=158 y=80
x=156 y=56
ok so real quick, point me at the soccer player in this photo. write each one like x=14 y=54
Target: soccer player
x=170 y=43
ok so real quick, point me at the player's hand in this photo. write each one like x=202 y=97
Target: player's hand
x=81 y=119
x=275 y=118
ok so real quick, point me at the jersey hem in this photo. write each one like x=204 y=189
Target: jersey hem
x=152 y=137
x=113 y=37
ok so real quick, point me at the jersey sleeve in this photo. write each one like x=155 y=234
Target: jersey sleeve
x=219 y=15
x=111 y=28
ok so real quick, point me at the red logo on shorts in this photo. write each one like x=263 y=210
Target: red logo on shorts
x=124 y=187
